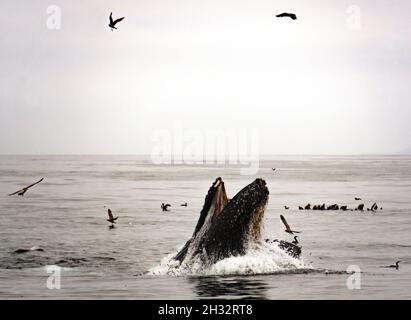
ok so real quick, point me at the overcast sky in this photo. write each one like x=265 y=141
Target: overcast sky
x=310 y=86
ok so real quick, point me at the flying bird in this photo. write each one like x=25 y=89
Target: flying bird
x=357 y=199
x=288 y=15
x=111 y=218
x=164 y=207
x=396 y=265
x=113 y=23
x=21 y=192
x=287 y=227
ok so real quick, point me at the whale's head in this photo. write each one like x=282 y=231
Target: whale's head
x=226 y=227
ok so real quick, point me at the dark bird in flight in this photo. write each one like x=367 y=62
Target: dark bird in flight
x=164 y=206
x=113 y=23
x=357 y=199
x=21 y=192
x=396 y=265
x=295 y=240
x=287 y=227
x=288 y=15
x=286 y=208
x=111 y=218
x=184 y=204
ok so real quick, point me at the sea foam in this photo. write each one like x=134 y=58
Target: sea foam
x=262 y=258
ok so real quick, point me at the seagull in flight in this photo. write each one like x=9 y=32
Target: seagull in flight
x=396 y=265
x=287 y=226
x=288 y=15
x=21 y=192
x=111 y=218
x=113 y=23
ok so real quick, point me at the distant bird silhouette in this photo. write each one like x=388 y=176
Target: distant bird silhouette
x=357 y=199
x=288 y=15
x=113 y=23
x=287 y=227
x=300 y=208
x=273 y=169
x=21 y=192
x=183 y=205
x=164 y=206
x=286 y=208
x=396 y=265
x=295 y=240
x=308 y=207
x=111 y=218
x=374 y=207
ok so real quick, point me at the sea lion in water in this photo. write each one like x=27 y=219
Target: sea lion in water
x=23 y=250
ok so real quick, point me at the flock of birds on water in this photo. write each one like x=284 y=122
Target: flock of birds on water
x=166 y=206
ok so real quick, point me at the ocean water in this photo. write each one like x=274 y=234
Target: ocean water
x=66 y=216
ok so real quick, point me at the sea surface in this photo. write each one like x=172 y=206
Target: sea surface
x=66 y=214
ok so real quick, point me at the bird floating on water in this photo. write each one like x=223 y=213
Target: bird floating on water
x=396 y=265
x=374 y=207
x=113 y=23
x=288 y=15
x=357 y=199
x=287 y=226
x=295 y=240
x=164 y=206
x=21 y=192
x=183 y=205
x=286 y=208
x=111 y=218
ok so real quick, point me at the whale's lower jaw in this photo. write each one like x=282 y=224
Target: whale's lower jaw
x=226 y=228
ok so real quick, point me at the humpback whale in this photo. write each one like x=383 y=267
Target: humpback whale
x=226 y=228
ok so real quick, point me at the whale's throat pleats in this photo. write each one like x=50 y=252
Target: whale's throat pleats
x=226 y=227
x=215 y=201
x=256 y=221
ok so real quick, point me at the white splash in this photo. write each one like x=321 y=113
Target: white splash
x=263 y=258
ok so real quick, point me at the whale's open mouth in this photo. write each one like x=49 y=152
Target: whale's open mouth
x=226 y=227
